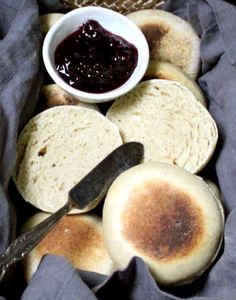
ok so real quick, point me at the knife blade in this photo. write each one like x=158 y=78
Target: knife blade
x=94 y=186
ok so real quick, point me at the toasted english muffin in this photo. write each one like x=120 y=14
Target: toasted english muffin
x=53 y=95
x=165 y=116
x=56 y=149
x=163 y=70
x=170 y=38
x=79 y=238
x=48 y=20
x=168 y=217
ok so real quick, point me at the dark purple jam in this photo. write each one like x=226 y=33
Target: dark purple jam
x=95 y=60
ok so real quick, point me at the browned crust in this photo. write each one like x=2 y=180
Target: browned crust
x=53 y=95
x=154 y=34
x=75 y=238
x=162 y=221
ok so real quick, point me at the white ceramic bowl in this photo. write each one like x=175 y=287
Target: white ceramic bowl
x=111 y=21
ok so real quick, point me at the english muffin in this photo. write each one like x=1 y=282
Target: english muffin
x=79 y=238
x=168 y=217
x=165 y=116
x=52 y=95
x=217 y=194
x=170 y=38
x=164 y=70
x=56 y=149
x=48 y=20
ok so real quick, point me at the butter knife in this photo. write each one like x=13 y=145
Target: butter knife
x=83 y=195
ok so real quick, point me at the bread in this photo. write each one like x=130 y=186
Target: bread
x=168 y=217
x=164 y=70
x=53 y=95
x=170 y=38
x=217 y=194
x=48 y=20
x=167 y=119
x=79 y=238
x=56 y=149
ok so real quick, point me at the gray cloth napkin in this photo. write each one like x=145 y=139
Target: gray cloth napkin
x=215 y=22
x=20 y=78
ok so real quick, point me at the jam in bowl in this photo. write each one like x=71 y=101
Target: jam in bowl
x=94 y=60
x=95 y=54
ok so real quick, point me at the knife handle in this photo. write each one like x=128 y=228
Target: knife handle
x=27 y=241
